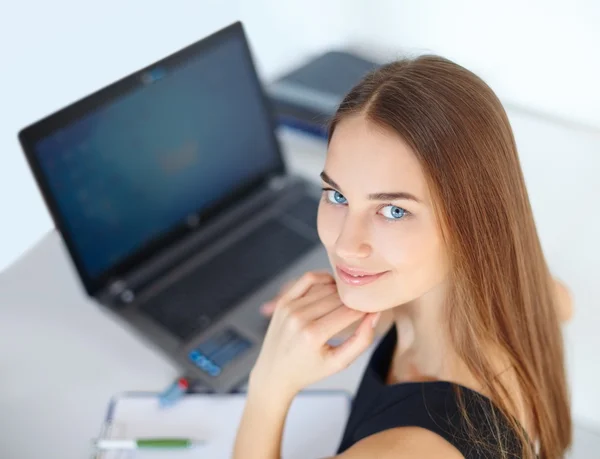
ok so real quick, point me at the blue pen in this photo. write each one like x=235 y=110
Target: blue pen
x=174 y=392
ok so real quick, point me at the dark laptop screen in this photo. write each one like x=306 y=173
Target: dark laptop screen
x=137 y=167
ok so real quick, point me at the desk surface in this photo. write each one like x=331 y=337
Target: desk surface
x=62 y=357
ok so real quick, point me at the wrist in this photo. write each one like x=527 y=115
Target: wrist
x=270 y=407
x=269 y=392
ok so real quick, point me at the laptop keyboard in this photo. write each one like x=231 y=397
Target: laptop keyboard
x=208 y=292
x=304 y=210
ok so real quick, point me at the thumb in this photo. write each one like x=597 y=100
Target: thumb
x=353 y=347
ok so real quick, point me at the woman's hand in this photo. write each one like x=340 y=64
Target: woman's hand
x=268 y=308
x=295 y=352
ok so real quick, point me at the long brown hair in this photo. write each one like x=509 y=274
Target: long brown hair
x=502 y=292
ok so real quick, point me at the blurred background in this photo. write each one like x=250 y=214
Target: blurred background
x=540 y=56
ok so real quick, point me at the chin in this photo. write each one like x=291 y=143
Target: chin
x=361 y=301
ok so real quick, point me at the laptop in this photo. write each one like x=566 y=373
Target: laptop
x=170 y=192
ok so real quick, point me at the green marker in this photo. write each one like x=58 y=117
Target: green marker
x=147 y=443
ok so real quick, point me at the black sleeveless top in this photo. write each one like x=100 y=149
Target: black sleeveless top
x=431 y=405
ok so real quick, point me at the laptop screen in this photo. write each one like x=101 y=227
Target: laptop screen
x=191 y=131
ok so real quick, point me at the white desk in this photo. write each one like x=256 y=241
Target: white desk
x=62 y=357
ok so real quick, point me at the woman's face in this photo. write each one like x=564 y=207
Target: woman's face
x=369 y=222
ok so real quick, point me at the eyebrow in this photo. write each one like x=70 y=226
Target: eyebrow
x=374 y=196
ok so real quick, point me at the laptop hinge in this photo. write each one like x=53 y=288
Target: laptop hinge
x=120 y=293
x=124 y=291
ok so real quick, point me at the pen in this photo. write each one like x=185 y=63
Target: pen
x=174 y=392
x=147 y=443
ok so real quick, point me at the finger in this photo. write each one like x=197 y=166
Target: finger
x=303 y=285
x=315 y=294
x=268 y=307
x=334 y=322
x=286 y=286
x=315 y=310
x=321 y=277
x=324 y=275
x=343 y=355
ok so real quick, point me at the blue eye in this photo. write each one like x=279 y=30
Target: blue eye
x=390 y=212
x=335 y=197
x=393 y=212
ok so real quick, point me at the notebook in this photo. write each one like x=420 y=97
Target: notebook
x=307 y=97
x=313 y=428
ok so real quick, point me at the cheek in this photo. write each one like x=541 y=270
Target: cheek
x=417 y=259
x=329 y=221
x=401 y=248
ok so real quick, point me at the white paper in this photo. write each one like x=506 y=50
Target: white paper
x=313 y=428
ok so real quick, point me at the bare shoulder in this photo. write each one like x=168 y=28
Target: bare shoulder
x=564 y=300
x=402 y=443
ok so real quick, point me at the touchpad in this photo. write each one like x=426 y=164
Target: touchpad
x=216 y=352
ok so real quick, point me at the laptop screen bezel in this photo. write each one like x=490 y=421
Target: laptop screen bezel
x=31 y=135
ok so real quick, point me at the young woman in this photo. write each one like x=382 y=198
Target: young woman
x=430 y=234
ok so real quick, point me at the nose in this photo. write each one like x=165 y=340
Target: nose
x=353 y=240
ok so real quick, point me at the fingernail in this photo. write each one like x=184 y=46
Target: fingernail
x=376 y=319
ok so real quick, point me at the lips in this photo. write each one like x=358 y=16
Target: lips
x=355 y=277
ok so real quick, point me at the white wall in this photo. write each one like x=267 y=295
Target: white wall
x=542 y=54
x=561 y=166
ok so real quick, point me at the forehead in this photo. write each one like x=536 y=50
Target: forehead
x=365 y=158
